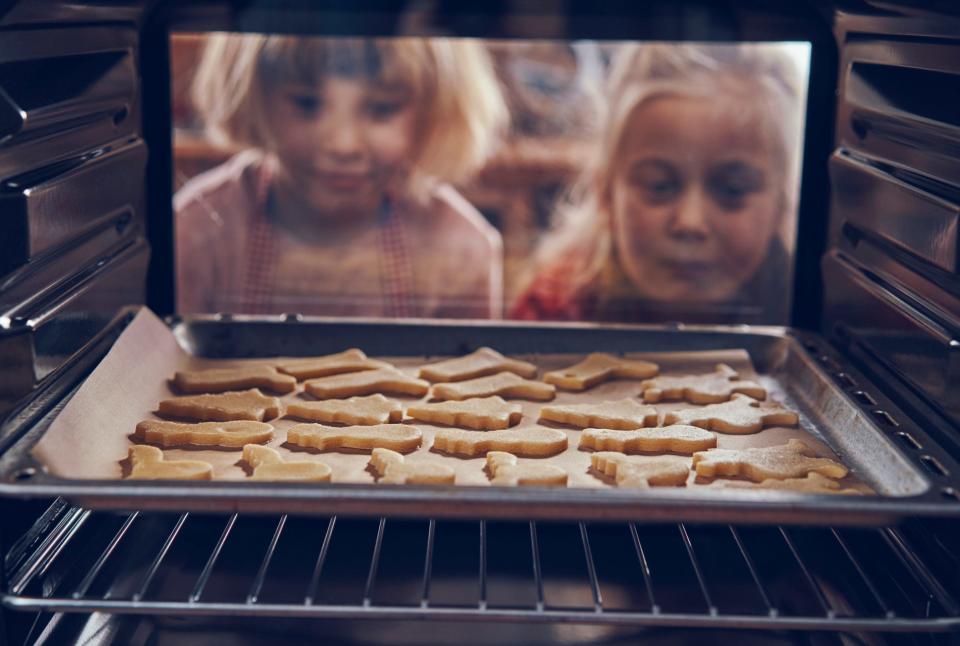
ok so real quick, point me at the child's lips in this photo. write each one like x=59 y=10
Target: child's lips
x=340 y=181
x=693 y=270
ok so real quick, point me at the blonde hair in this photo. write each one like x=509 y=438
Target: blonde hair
x=461 y=108
x=641 y=72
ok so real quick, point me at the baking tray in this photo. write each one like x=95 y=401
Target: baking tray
x=911 y=474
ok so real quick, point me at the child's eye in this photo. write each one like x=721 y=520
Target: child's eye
x=382 y=110
x=733 y=184
x=658 y=182
x=306 y=104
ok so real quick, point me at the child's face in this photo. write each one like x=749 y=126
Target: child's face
x=696 y=197
x=343 y=143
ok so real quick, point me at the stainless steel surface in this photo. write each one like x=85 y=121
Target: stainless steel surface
x=614 y=574
x=886 y=449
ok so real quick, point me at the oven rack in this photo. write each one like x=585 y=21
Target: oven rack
x=630 y=574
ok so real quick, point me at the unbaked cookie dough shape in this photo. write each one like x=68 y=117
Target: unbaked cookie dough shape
x=598 y=368
x=367 y=382
x=218 y=380
x=268 y=464
x=396 y=437
x=791 y=460
x=482 y=362
x=251 y=405
x=228 y=435
x=481 y=413
x=624 y=414
x=148 y=463
x=352 y=360
x=355 y=411
x=672 y=439
x=709 y=388
x=504 y=469
x=740 y=416
x=505 y=384
x=392 y=468
x=531 y=442
x=642 y=472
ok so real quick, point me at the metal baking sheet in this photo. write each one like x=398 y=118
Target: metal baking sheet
x=836 y=403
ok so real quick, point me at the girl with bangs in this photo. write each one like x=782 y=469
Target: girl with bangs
x=341 y=202
x=688 y=212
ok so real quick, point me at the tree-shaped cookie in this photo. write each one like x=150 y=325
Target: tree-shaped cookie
x=361 y=411
x=367 y=382
x=741 y=415
x=709 y=388
x=251 y=405
x=485 y=361
x=505 y=384
x=624 y=414
x=148 y=463
x=672 y=439
x=268 y=464
x=218 y=380
x=392 y=468
x=229 y=435
x=598 y=368
x=505 y=470
x=813 y=483
x=791 y=460
x=482 y=414
x=396 y=437
x=352 y=360
x=642 y=472
x=534 y=442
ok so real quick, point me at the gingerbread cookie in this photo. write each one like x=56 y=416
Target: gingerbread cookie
x=396 y=437
x=597 y=368
x=790 y=460
x=147 y=463
x=642 y=472
x=482 y=414
x=740 y=415
x=624 y=414
x=268 y=464
x=392 y=468
x=673 y=439
x=218 y=380
x=710 y=388
x=813 y=483
x=367 y=382
x=505 y=470
x=532 y=442
x=361 y=411
x=352 y=360
x=229 y=435
x=505 y=384
x=251 y=405
x=485 y=361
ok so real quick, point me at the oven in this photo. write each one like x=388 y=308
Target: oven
x=87 y=169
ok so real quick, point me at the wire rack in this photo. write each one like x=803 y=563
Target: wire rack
x=883 y=579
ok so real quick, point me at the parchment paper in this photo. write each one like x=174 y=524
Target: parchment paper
x=90 y=437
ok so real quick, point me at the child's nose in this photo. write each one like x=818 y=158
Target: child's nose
x=690 y=218
x=343 y=138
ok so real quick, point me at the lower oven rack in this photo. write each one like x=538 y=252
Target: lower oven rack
x=890 y=579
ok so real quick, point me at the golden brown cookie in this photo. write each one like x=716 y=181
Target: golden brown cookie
x=709 y=388
x=482 y=414
x=813 y=483
x=790 y=460
x=218 y=380
x=251 y=405
x=359 y=411
x=392 y=468
x=229 y=435
x=740 y=415
x=396 y=437
x=368 y=382
x=267 y=464
x=485 y=361
x=624 y=414
x=642 y=472
x=532 y=442
x=352 y=360
x=147 y=463
x=673 y=439
x=597 y=368
x=505 y=470
x=505 y=384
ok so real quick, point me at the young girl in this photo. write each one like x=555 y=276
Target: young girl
x=689 y=211
x=340 y=205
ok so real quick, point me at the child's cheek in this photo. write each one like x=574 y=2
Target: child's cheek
x=745 y=236
x=391 y=143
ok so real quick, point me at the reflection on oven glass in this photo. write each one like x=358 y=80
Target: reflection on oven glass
x=438 y=177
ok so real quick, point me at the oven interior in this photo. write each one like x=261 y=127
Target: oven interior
x=85 y=184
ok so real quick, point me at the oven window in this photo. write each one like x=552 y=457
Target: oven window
x=463 y=178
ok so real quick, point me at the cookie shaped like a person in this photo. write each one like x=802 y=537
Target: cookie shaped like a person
x=741 y=415
x=624 y=414
x=709 y=388
x=355 y=411
x=481 y=413
x=791 y=460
